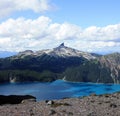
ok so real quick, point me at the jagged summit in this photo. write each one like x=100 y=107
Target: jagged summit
x=61 y=45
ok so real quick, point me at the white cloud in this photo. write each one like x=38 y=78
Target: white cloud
x=21 y=34
x=65 y=31
x=109 y=32
x=9 y=6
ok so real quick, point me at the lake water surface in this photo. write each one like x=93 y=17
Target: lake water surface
x=57 y=89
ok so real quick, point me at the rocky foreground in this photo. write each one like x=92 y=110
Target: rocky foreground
x=103 y=105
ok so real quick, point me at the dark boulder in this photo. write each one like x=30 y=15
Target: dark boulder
x=14 y=99
x=49 y=102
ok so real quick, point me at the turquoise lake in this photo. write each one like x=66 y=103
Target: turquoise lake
x=57 y=89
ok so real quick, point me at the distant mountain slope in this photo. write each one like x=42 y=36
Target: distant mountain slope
x=61 y=62
x=60 y=51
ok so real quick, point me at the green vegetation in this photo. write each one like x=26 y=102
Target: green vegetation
x=27 y=75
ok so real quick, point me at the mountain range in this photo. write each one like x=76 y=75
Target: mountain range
x=61 y=62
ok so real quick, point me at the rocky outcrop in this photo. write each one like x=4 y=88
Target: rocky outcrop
x=15 y=99
x=112 y=62
x=28 y=100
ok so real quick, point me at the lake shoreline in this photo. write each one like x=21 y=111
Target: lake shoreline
x=93 y=105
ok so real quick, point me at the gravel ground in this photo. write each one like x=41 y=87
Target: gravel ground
x=103 y=105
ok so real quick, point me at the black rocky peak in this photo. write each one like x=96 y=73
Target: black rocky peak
x=61 y=45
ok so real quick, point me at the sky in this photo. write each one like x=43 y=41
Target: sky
x=86 y=25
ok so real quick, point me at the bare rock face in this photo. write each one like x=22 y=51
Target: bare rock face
x=112 y=62
x=15 y=99
x=28 y=100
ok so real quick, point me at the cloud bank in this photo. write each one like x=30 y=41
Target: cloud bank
x=10 y=6
x=41 y=33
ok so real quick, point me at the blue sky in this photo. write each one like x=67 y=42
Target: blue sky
x=87 y=12
x=87 y=25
